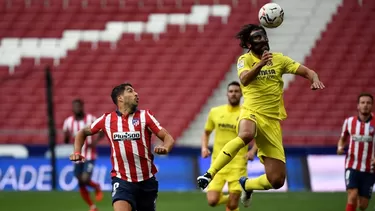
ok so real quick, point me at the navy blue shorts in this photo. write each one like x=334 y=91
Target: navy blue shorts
x=362 y=181
x=140 y=195
x=86 y=167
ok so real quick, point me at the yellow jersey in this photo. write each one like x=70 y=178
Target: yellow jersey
x=264 y=95
x=223 y=119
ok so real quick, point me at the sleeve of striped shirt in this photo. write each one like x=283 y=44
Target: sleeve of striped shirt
x=152 y=123
x=98 y=124
x=345 y=131
x=66 y=126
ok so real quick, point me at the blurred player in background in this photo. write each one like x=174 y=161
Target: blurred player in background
x=129 y=132
x=83 y=171
x=359 y=162
x=260 y=73
x=223 y=119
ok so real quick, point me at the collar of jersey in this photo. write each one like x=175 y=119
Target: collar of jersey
x=369 y=119
x=120 y=114
x=254 y=57
x=231 y=108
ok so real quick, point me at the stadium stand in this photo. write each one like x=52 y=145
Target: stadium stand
x=165 y=59
x=92 y=46
x=342 y=56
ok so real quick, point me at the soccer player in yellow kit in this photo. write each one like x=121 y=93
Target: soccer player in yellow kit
x=260 y=73
x=223 y=119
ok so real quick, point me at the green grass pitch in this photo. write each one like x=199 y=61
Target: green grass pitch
x=175 y=201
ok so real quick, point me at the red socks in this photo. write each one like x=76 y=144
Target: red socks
x=350 y=207
x=93 y=185
x=85 y=195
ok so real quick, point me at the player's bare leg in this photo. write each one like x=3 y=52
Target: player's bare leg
x=352 y=199
x=232 y=204
x=363 y=203
x=215 y=198
x=275 y=172
x=247 y=130
x=122 y=206
x=273 y=178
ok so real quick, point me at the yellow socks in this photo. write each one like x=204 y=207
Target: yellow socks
x=226 y=155
x=259 y=183
x=223 y=199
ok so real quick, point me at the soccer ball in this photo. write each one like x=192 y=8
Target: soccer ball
x=271 y=15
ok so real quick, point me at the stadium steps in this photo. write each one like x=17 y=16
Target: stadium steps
x=301 y=28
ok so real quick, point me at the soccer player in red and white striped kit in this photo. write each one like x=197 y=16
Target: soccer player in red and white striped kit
x=83 y=171
x=129 y=130
x=359 y=162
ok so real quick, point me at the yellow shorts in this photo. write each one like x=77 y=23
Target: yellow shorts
x=231 y=177
x=268 y=135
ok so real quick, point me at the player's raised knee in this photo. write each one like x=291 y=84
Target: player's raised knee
x=277 y=180
x=246 y=136
x=212 y=202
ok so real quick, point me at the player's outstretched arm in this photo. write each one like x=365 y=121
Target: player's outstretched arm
x=78 y=143
x=168 y=142
x=311 y=75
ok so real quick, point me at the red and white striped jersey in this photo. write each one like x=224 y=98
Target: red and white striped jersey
x=72 y=126
x=361 y=143
x=130 y=139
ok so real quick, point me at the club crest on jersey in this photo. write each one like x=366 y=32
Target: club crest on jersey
x=371 y=129
x=241 y=64
x=135 y=122
x=126 y=136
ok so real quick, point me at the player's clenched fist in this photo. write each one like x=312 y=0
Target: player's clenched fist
x=160 y=150
x=77 y=157
x=205 y=152
x=340 y=150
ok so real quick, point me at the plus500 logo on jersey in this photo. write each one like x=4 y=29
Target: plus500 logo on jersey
x=126 y=136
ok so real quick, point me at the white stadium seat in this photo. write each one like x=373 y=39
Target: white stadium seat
x=136 y=28
x=222 y=11
x=178 y=19
x=49 y=42
x=199 y=16
x=157 y=23
x=156 y=28
x=90 y=35
x=158 y=17
x=10 y=43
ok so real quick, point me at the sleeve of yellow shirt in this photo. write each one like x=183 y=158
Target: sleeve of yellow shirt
x=290 y=66
x=210 y=125
x=242 y=65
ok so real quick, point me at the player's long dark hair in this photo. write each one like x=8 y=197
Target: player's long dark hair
x=244 y=34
